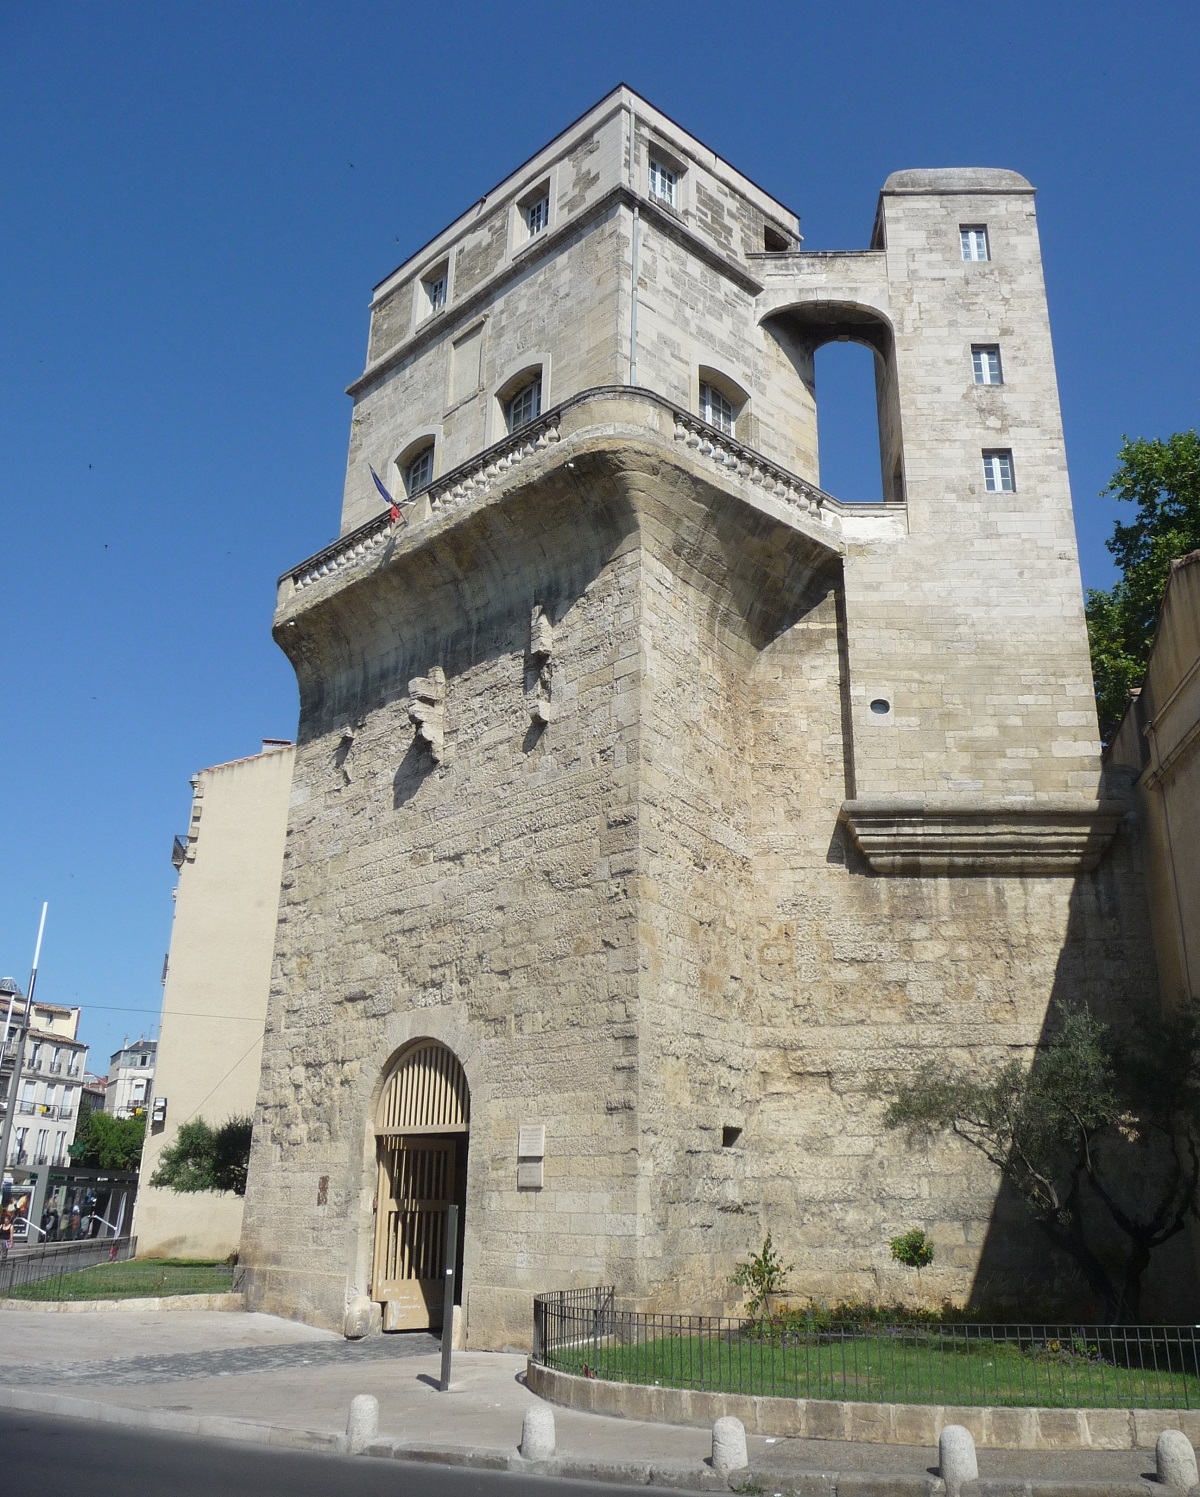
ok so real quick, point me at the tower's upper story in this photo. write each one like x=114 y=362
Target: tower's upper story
x=627 y=289
x=535 y=285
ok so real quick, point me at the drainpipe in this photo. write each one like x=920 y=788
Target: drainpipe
x=633 y=289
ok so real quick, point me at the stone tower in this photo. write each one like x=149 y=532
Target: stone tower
x=650 y=804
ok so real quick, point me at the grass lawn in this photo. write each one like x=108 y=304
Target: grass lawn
x=914 y=1367
x=145 y=1279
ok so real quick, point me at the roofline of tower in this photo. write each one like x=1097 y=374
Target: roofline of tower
x=619 y=92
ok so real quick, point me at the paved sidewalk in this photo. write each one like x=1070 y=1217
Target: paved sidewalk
x=256 y=1377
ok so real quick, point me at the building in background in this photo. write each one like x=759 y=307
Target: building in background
x=217 y=980
x=46 y=1107
x=130 y=1079
x=1158 y=743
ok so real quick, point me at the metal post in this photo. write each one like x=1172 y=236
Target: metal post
x=13 y=1088
x=448 y=1302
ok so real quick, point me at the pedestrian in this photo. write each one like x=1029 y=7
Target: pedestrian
x=6 y=1233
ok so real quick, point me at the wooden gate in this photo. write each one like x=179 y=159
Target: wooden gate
x=421 y=1135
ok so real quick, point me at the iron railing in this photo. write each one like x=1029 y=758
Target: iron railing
x=53 y=1260
x=805 y=1355
x=53 y=1272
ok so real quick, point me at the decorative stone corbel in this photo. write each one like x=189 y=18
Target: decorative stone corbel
x=541 y=650
x=341 y=753
x=427 y=710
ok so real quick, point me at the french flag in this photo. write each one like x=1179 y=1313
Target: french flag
x=393 y=507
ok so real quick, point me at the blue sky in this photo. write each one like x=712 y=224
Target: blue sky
x=195 y=202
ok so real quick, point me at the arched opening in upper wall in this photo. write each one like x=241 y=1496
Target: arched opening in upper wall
x=848 y=411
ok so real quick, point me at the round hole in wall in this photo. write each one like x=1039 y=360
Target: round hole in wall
x=880 y=706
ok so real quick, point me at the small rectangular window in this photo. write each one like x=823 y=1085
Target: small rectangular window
x=418 y=474
x=998 y=471
x=435 y=289
x=525 y=406
x=536 y=214
x=974 y=239
x=662 y=182
x=985 y=359
x=715 y=408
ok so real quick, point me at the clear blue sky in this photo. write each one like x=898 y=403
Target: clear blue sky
x=195 y=201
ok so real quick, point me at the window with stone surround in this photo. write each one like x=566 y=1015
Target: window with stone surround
x=535 y=210
x=435 y=285
x=663 y=180
x=974 y=241
x=715 y=408
x=985 y=361
x=998 y=470
x=418 y=471
x=524 y=405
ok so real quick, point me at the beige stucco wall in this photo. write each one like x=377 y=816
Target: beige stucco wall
x=215 y=999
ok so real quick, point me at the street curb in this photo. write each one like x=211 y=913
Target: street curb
x=863 y=1422
x=678 y=1475
x=93 y=1306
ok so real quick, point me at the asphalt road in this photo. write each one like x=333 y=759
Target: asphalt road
x=43 y=1454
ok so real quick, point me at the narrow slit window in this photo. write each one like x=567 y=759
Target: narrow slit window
x=998 y=471
x=974 y=240
x=716 y=409
x=525 y=406
x=985 y=359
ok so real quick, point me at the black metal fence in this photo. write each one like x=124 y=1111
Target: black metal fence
x=806 y=1355
x=40 y=1265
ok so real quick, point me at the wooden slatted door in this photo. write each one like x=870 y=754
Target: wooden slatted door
x=421 y=1129
x=416 y=1186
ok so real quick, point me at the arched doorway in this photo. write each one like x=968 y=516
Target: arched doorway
x=422 y=1127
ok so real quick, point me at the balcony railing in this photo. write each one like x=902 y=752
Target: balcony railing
x=55 y=1067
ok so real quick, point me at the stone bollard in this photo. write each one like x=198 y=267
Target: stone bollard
x=729 y=1446
x=357 y=1321
x=1175 y=1460
x=956 y=1458
x=363 y=1423
x=537 y=1433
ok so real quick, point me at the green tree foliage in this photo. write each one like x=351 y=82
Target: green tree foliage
x=1100 y=1139
x=762 y=1276
x=1163 y=480
x=206 y=1158
x=109 y=1143
x=913 y=1249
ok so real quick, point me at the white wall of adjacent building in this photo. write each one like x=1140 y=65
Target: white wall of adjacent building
x=215 y=996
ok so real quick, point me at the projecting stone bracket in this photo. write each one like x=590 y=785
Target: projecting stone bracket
x=427 y=710
x=951 y=834
x=541 y=650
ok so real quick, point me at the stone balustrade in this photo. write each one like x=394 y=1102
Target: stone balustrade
x=716 y=449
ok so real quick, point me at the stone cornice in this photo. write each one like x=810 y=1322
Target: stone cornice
x=975 y=834
x=726 y=459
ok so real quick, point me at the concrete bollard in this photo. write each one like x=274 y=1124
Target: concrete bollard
x=363 y=1423
x=1175 y=1460
x=956 y=1457
x=537 y=1433
x=729 y=1446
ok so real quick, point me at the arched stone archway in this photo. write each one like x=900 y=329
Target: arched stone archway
x=422 y=1132
x=808 y=325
